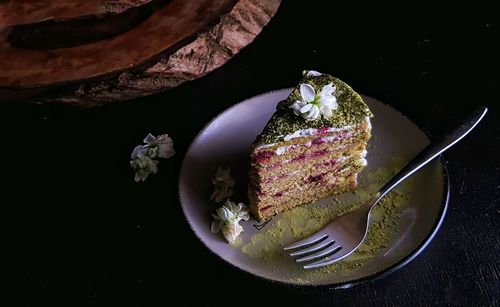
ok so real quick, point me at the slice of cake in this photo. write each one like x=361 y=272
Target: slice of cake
x=312 y=147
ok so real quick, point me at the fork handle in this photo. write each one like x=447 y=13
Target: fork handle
x=433 y=150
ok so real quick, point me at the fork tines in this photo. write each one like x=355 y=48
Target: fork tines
x=319 y=246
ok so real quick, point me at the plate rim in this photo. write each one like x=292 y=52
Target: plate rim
x=341 y=285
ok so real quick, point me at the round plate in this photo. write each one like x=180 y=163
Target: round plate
x=226 y=141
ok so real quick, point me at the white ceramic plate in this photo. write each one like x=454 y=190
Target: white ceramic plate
x=226 y=140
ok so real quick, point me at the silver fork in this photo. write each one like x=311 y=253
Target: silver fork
x=344 y=235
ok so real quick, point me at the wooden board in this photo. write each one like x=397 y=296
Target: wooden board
x=168 y=26
x=18 y=12
x=179 y=42
x=59 y=32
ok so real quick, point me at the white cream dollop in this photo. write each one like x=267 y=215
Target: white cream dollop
x=313 y=73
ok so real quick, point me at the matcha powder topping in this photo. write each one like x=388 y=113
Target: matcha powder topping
x=351 y=110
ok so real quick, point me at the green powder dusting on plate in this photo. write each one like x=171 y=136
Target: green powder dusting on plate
x=303 y=221
x=238 y=242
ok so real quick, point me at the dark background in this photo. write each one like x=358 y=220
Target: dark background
x=75 y=229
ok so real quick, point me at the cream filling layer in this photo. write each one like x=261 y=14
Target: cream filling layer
x=314 y=131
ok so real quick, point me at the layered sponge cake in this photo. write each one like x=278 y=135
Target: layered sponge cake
x=313 y=146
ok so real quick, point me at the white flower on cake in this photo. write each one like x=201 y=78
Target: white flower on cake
x=313 y=105
x=223 y=184
x=143 y=156
x=227 y=219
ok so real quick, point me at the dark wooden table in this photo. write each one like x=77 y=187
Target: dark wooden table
x=76 y=230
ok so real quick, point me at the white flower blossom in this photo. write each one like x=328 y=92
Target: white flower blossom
x=143 y=165
x=227 y=219
x=161 y=146
x=138 y=152
x=313 y=105
x=143 y=156
x=223 y=184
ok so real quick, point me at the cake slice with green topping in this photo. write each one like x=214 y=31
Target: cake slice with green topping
x=313 y=146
